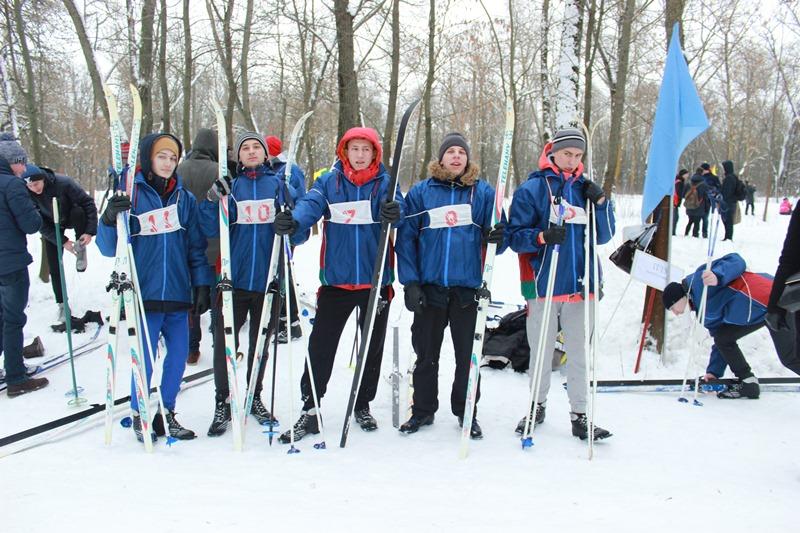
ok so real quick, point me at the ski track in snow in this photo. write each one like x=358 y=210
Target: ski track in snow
x=733 y=463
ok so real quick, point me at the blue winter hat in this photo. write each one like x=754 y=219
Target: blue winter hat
x=11 y=150
x=32 y=173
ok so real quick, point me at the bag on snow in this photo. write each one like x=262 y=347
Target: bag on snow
x=508 y=343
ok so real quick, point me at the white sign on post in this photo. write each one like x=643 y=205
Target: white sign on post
x=653 y=271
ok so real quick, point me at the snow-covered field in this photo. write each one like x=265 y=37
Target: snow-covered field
x=730 y=465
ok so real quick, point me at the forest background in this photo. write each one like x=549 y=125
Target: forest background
x=562 y=62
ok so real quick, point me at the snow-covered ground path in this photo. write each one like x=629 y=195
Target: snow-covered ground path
x=729 y=465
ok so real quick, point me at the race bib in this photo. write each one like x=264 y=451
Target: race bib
x=358 y=212
x=572 y=214
x=159 y=221
x=450 y=216
x=256 y=211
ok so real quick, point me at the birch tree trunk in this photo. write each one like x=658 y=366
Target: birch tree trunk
x=568 y=94
x=188 y=69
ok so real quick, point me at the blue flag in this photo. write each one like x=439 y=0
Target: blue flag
x=680 y=117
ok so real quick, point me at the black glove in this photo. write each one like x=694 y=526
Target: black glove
x=284 y=223
x=116 y=204
x=554 y=235
x=220 y=188
x=415 y=297
x=390 y=212
x=494 y=235
x=592 y=191
x=202 y=299
x=776 y=320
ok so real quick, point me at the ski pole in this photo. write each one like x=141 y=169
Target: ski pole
x=527 y=440
x=701 y=314
x=77 y=399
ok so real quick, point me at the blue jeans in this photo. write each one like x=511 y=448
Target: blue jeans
x=13 y=299
x=174 y=327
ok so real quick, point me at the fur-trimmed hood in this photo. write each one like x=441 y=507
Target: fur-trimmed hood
x=470 y=176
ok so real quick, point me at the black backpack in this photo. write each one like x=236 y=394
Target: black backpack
x=508 y=343
x=741 y=191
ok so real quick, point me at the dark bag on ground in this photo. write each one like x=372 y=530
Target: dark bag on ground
x=790 y=298
x=623 y=256
x=508 y=343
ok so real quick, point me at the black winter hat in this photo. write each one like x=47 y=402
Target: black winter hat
x=453 y=139
x=672 y=293
x=11 y=150
x=705 y=166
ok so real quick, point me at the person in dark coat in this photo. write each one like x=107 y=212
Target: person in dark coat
x=750 y=198
x=730 y=184
x=77 y=211
x=18 y=218
x=695 y=200
x=198 y=172
x=713 y=187
x=736 y=305
x=677 y=196
x=785 y=326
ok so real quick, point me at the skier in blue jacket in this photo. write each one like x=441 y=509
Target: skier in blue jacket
x=254 y=196
x=169 y=251
x=736 y=305
x=550 y=209
x=352 y=199
x=440 y=261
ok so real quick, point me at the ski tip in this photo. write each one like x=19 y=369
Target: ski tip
x=293 y=450
x=683 y=400
x=527 y=442
x=126 y=422
x=320 y=446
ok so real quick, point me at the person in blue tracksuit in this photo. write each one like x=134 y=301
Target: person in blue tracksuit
x=549 y=210
x=352 y=198
x=254 y=196
x=169 y=251
x=18 y=218
x=440 y=261
x=736 y=305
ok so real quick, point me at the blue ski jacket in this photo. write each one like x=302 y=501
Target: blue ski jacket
x=349 y=243
x=739 y=298
x=18 y=217
x=437 y=247
x=169 y=263
x=251 y=234
x=533 y=210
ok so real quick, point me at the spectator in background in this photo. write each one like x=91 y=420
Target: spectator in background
x=677 y=196
x=750 y=198
x=77 y=211
x=695 y=199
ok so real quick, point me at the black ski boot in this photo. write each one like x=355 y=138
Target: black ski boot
x=295 y=330
x=222 y=417
x=176 y=430
x=307 y=424
x=537 y=419
x=365 y=419
x=416 y=422
x=158 y=425
x=580 y=428
x=475 y=432
x=747 y=388
x=137 y=429
x=262 y=414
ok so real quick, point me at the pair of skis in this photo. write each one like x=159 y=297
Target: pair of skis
x=125 y=289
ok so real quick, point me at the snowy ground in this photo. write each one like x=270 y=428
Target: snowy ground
x=728 y=465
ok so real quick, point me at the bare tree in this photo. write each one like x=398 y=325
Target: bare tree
x=348 y=82
x=88 y=56
x=162 y=67
x=188 y=70
x=29 y=93
x=388 y=130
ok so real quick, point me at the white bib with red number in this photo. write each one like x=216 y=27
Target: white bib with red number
x=255 y=211
x=572 y=214
x=158 y=221
x=358 y=212
x=450 y=216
